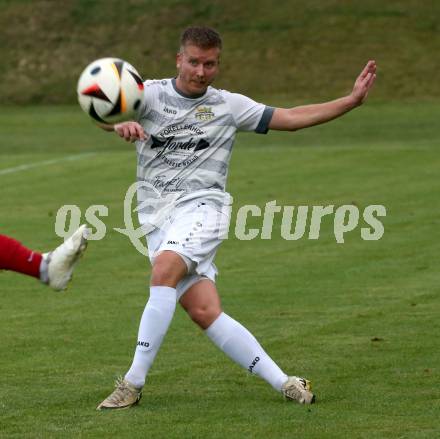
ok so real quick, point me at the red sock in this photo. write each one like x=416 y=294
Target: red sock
x=16 y=257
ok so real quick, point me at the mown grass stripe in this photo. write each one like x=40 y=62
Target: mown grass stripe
x=27 y=166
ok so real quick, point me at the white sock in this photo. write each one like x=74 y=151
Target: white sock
x=242 y=347
x=155 y=321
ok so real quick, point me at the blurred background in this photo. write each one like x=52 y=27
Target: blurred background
x=302 y=49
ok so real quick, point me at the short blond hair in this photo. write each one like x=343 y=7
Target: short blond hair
x=201 y=36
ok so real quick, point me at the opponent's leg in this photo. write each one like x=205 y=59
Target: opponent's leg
x=168 y=269
x=16 y=257
x=54 y=268
x=202 y=303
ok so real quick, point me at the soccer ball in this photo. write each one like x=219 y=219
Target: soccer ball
x=110 y=90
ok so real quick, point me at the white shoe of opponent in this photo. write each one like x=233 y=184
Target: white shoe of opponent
x=58 y=265
x=298 y=389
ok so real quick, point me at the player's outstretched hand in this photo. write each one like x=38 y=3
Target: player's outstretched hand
x=130 y=131
x=364 y=82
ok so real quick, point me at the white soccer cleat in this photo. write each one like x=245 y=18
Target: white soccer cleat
x=298 y=389
x=59 y=263
x=124 y=396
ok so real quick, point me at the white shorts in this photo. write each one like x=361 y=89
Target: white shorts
x=194 y=230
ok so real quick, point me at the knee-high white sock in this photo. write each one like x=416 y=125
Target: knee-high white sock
x=242 y=347
x=155 y=321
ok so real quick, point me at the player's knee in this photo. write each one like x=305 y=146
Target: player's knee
x=204 y=315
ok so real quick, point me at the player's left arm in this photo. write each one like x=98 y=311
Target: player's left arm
x=291 y=119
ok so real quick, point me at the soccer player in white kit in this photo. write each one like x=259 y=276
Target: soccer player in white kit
x=184 y=138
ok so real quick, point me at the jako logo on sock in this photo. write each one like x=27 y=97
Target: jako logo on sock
x=251 y=367
x=144 y=344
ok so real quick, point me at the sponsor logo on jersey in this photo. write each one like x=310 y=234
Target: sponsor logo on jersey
x=187 y=128
x=178 y=144
x=173 y=242
x=169 y=144
x=171 y=185
x=204 y=114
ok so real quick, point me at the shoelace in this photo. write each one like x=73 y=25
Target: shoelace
x=120 y=391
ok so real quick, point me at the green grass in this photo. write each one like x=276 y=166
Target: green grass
x=359 y=319
x=301 y=48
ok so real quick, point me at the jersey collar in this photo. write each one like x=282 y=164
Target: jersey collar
x=185 y=95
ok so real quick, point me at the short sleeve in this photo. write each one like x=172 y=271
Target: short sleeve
x=146 y=106
x=248 y=114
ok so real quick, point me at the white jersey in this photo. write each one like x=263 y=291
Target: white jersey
x=189 y=148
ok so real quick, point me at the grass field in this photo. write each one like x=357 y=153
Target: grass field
x=293 y=44
x=360 y=319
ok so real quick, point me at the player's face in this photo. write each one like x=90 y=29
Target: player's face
x=197 y=68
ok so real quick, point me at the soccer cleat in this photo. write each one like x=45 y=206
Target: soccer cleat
x=58 y=265
x=124 y=396
x=298 y=389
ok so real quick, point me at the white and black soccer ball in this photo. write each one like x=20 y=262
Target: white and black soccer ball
x=110 y=90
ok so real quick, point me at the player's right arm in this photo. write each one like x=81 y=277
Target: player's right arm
x=130 y=131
